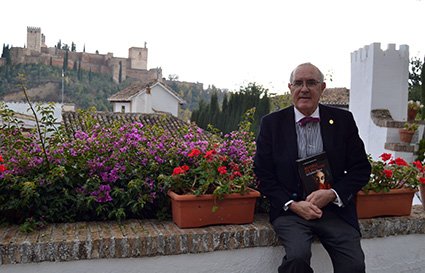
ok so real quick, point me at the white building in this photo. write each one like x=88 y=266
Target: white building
x=147 y=98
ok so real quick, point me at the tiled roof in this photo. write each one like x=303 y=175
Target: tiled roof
x=336 y=96
x=129 y=92
x=136 y=87
x=73 y=122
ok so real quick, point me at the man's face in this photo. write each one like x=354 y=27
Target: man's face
x=306 y=89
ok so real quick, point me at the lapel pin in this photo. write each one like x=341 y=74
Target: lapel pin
x=331 y=121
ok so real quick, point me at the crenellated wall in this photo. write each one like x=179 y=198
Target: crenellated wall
x=379 y=81
x=135 y=66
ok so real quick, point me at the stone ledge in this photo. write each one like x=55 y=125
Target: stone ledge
x=141 y=238
x=400 y=147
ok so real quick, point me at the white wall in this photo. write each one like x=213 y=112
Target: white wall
x=164 y=101
x=393 y=254
x=22 y=107
x=378 y=81
x=118 y=106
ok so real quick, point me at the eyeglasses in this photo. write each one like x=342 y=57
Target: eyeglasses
x=308 y=83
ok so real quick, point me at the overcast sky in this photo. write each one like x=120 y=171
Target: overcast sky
x=223 y=42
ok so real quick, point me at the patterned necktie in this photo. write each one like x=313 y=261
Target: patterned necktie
x=306 y=120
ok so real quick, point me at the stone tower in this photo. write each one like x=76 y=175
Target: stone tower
x=138 y=57
x=379 y=85
x=34 y=38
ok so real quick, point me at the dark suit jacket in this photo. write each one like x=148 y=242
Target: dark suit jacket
x=275 y=160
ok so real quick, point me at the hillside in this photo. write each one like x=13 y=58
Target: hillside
x=85 y=88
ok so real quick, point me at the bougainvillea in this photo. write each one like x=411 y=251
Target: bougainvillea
x=107 y=172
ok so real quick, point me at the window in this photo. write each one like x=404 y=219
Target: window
x=123 y=109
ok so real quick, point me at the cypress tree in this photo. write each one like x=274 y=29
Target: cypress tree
x=120 y=73
x=65 y=61
x=423 y=87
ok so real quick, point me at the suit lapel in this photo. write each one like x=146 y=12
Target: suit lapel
x=287 y=125
x=327 y=128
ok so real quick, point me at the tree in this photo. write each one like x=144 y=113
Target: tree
x=173 y=77
x=423 y=87
x=6 y=54
x=73 y=47
x=232 y=111
x=65 y=61
x=416 y=82
x=120 y=73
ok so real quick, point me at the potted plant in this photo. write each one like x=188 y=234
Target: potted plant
x=391 y=188
x=407 y=133
x=421 y=178
x=211 y=182
x=413 y=109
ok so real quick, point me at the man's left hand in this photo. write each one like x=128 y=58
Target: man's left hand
x=321 y=198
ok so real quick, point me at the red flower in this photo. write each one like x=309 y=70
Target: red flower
x=177 y=171
x=209 y=154
x=388 y=173
x=185 y=168
x=399 y=161
x=422 y=180
x=194 y=153
x=385 y=156
x=417 y=164
x=1 y=159
x=2 y=168
x=222 y=170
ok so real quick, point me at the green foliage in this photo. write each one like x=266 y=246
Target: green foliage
x=106 y=172
x=416 y=80
x=193 y=95
x=228 y=118
x=278 y=102
x=84 y=88
x=421 y=151
x=389 y=173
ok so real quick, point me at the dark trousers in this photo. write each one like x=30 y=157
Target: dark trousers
x=340 y=239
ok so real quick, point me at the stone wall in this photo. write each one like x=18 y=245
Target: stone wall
x=153 y=238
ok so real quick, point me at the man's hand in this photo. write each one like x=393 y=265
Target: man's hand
x=306 y=210
x=321 y=198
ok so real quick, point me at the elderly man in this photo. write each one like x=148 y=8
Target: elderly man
x=304 y=129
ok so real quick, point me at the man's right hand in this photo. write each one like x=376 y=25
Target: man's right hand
x=306 y=210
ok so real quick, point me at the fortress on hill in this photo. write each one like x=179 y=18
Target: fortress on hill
x=135 y=66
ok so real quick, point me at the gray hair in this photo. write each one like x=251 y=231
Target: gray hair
x=321 y=76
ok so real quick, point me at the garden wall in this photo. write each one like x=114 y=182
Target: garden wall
x=391 y=244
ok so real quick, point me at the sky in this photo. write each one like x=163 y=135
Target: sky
x=227 y=43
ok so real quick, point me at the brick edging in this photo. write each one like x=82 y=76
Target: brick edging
x=141 y=238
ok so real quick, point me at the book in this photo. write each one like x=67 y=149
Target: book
x=315 y=172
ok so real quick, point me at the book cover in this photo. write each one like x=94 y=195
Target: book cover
x=315 y=172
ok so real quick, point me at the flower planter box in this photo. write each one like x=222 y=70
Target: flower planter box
x=405 y=136
x=191 y=211
x=397 y=202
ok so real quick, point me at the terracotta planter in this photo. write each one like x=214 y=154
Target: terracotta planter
x=394 y=203
x=405 y=135
x=411 y=113
x=422 y=192
x=196 y=211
